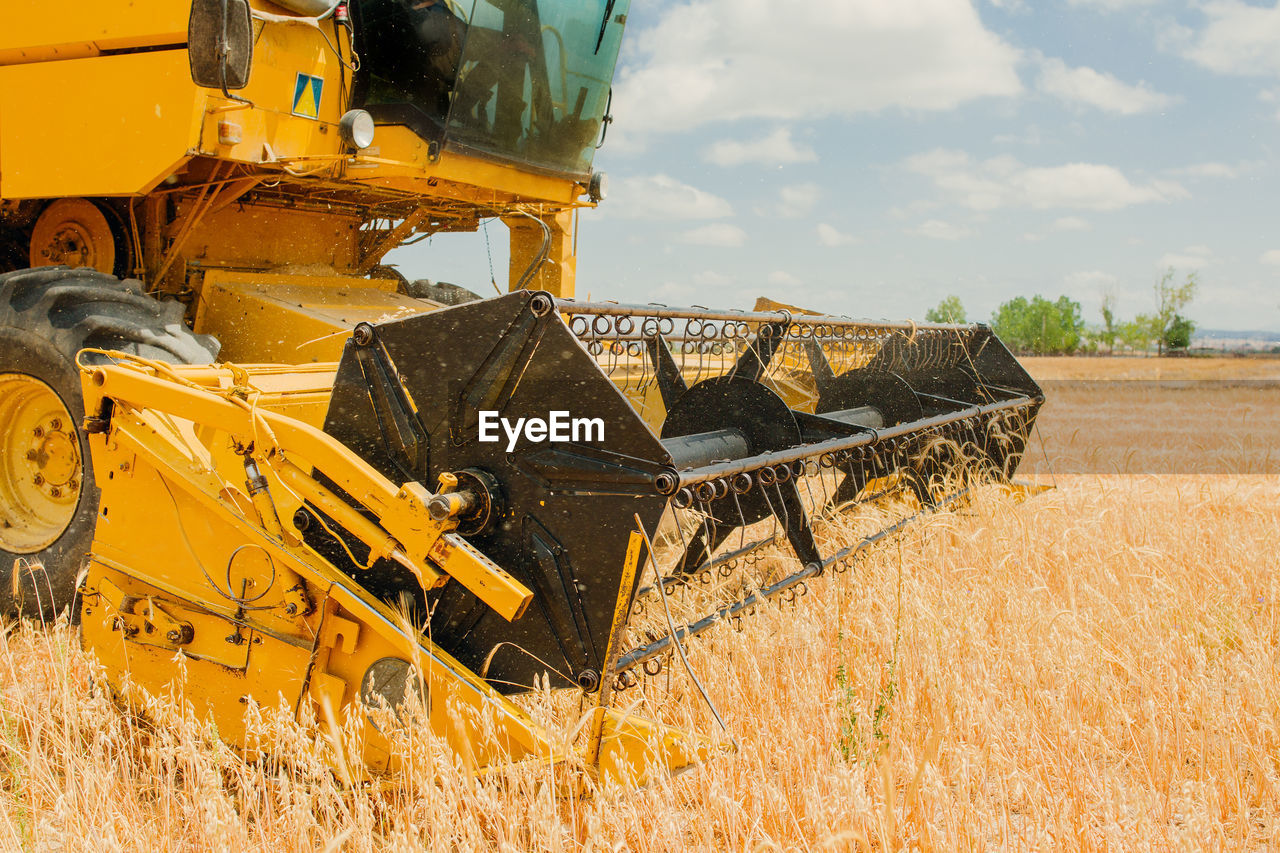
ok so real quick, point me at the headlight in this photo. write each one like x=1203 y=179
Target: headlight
x=356 y=128
x=598 y=187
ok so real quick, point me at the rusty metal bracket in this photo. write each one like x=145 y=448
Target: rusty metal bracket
x=143 y=620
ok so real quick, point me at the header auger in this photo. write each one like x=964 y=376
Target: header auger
x=296 y=478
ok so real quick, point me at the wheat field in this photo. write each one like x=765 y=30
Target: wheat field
x=1094 y=668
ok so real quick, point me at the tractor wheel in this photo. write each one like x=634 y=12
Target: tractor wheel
x=76 y=232
x=48 y=499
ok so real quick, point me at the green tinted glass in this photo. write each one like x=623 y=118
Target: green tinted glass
x=520 y=80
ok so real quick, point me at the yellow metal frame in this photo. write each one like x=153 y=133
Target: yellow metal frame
x=287 y=319
x=254 y=612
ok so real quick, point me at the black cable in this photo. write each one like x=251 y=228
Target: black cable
x=543 y=252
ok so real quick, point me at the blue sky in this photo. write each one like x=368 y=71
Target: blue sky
x=869 y=157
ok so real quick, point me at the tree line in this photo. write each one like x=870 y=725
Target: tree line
x=1039 y=326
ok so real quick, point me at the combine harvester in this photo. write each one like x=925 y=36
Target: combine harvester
x=315 y=480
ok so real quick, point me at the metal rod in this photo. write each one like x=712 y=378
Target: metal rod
x=647 y=652
x=743 y=551
x=671 y=626
x=694 y=476
x=570 y=306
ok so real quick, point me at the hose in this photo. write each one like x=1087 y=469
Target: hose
x=272 y=18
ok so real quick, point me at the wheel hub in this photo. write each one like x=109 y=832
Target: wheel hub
x=40 y=465
x=70 y=246
x=75 y=233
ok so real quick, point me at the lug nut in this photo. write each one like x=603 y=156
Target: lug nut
x=31 y=454
x=56 y=492
x=55 y=424
x=38 y=432
x=38 y=479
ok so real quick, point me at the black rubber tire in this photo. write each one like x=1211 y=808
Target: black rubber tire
x=440 y=291
x=13 y=249
x=386 y=272
x=47 y=315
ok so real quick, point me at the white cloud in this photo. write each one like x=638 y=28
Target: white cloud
x=1239 y=39
x=1071 y=223
x=797 y=200
x=775 y=149
x=1088 y=87
x=1192 y=257
x=782 y=278
x=1090 y=279
x=711 y=278
x=1208 y=170
x=1270 y=96
x=1004 y=182
x=705 y=287
x=937 y=229
x=830 y=236
x=1112 y=5
x=1272 y=257
x=661 y=197
x=1030 y=136
x=715 y=234
x=914 y=209
x=717 y=60
x=1091 y=287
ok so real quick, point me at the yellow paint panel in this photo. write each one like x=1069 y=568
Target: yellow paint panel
x=398 y=159
x=280 y=54
x=261 y=236
x=83 y=127
x=291 y=319
x=33 y=26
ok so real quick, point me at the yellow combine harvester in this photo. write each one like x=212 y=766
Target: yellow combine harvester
x=313 y=479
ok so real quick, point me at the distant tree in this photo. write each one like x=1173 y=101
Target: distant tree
x=1011 y=322
x=1177 y=338
x=949 y=310
x=1136 y=333
x=1170 y=298
x=1107 y=334
x=1039 y=326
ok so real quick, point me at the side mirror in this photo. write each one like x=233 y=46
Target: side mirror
x=220 y=43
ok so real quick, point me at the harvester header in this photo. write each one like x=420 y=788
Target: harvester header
x=721 y=422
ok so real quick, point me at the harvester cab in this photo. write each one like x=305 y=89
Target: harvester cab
x=526 y=83
x=332 y=490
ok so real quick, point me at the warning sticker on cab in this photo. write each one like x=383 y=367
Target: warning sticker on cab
x=306 y=95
